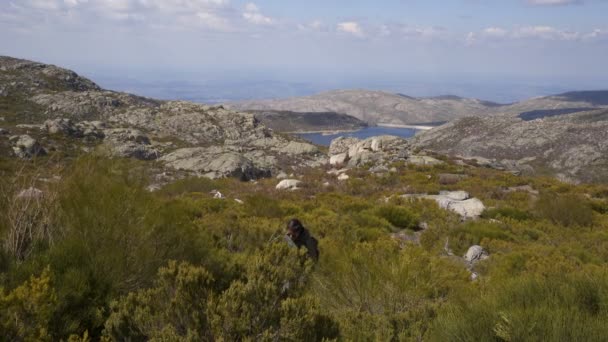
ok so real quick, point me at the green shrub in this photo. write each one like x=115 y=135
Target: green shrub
x=190 y=185
x=506 y=212
x=399 y=217
x=567 y=210
x=26 y=312
x=174 y=309
x=263 y=206
x=560 y=307
x=473 y=233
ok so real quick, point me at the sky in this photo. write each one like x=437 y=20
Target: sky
x=559 y=41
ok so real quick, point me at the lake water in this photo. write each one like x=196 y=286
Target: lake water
x=325 y=140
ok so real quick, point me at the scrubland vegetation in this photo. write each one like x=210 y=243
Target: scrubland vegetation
x=98 y=257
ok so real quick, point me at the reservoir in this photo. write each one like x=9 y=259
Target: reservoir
x=325 y=138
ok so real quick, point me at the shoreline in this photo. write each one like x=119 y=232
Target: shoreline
x=418 y=127
x=327 y=132
x=338 y=131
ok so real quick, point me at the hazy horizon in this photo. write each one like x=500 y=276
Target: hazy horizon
x=500 y=51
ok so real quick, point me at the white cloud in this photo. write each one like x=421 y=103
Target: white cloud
x=495 y=32
x=316 y=25
x=554 y=2
x=351 y=27
x=532 y=32
x=253 y=15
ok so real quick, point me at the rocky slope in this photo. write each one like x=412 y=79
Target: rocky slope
x=40 y=101
x=574 y=147
x=556 y=105
x=377 y=107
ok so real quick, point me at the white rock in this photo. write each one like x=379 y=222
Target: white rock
x=288 y=184
x=238 y=201
x=216 y=194
x=282 y=175
x=471 y=208
x=343 y=177
x=476 y=253
x=30 y=193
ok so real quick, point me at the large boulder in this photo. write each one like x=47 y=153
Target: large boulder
x=214 y=162
x=129 y=143
x=459 y=202
x=24 y=146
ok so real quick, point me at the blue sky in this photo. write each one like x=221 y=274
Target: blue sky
x=544 y=39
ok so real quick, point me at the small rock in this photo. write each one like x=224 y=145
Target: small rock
x=238 y=201
x=216 y=194
x=288 y=184
x=476 y=253
x=343 y=177
x=28 y=126
x=3 y=131
x=423 y=226
x=281 y=175
x=30 y=193
x=326 y=184
x=153 y=187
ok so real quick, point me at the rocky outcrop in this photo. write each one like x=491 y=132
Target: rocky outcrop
x=89 y=129
x=129 y=143
x=459 y=202
x=378 y=151
x=214 y=162
x=24 y=146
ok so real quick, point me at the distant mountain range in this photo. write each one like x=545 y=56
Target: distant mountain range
x=377 y=107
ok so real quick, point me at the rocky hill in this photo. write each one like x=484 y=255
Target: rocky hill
x=377 y=107
x=39 y=103
x=283 y=121
x=574 y=147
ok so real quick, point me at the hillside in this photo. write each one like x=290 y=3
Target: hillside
x=307 y=122
x=125 y=218
x=43 y=105
x=574 y=147
x=376 y=107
